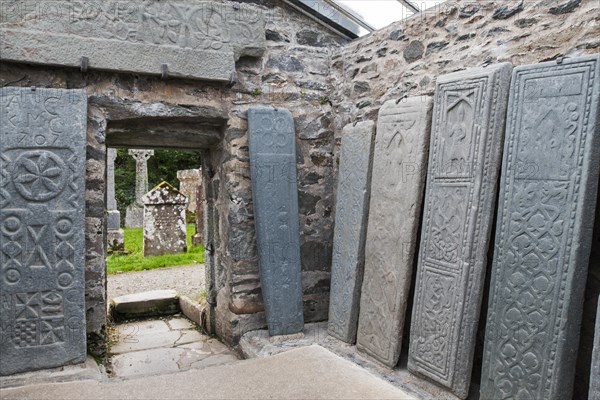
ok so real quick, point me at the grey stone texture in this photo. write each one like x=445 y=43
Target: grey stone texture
x=464 y=162
x=275 y=199
x=134 y=216
x=397 y=186
x=144 y=304
x=42 y=228
x=196 y=40
x=115 y=237
x=543 y=237
x=595 y=368
x=190 y=183
x=351 y=216
x=164 y=221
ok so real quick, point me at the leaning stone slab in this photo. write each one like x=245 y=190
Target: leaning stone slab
x=464 y=163
x=399 y=166
x=196 y=40
x=547 y=193
x=42 y=228
x=595 y=368
x=272 y=145
x=145 y=304
x=354 y=182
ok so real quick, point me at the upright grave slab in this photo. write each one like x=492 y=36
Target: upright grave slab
x=115 y=235
x=464 y=163
x=595 y=368
x=543 y=236
x=164 y=221
x=134 y=216
x=272 y=145
x=42 y=228
x=354 y=182
x=399 y=166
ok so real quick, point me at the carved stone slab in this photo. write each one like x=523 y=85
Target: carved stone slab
x=543 y=236
x=164 y=221
x=464 y=161
x=399 y=166
x=354 y=182
x=272 y=145
x=595 y=369
x=196 y=40
x=42 y=228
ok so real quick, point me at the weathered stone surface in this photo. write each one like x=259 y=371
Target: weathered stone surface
x=145 y=304
x=399 y=166
x=595 y=369
x=134 y=215
x=275 y=197
x=115 y=236
x=164 y=221
x=354 y=183
x=198 y=239
x=42 y=228
x=197 y=40
x=189 y=182
x=464 y=162
x=547 y=192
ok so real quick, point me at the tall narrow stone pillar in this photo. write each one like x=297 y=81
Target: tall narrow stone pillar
x=135 y=212
x=115 y=233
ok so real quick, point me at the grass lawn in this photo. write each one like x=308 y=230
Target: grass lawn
x=135 y=260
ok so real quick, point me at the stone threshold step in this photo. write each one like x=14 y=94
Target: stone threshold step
x=144 y=305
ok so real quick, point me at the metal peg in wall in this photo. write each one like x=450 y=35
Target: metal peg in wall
x=84 y=64
x=164 y=71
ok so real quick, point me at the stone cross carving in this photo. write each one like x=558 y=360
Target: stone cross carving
x=272 y=146
x=141 y=172
x=548 y=193
x=464 y=162
x=399 y=166
x=42 y=228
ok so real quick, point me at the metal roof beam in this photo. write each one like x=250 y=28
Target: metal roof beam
x=350 y=15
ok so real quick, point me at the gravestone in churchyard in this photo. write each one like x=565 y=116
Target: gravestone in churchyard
x=115 y=235
x=134 y=215
x=464 y=162
x=188 y=39
x=198 y=238
x=354 y=183
x=545 y=218
x=189 y=180
x=164 y=221
x=275 y=196
x=42 y=228
x=595 y=368
x=399 y=166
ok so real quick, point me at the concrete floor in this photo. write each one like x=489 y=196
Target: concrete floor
x=305 y=373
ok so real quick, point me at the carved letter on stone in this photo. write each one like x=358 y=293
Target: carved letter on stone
x=354 y=182
x=543 y=236
x=399 y=166
x=272 y=145
x=42 y=229
x=466 y=148
x=188 y=39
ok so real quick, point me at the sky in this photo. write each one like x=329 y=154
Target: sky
x=381 y=13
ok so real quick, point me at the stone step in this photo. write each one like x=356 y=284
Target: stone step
x=144 y=304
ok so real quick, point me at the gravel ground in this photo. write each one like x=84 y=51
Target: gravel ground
x=188 y=280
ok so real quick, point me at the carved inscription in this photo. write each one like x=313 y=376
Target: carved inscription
x=543 y=236
x=354 y=181
x=42 y=147
x=275 y=198
x=466 y=144
x=399 y=166
x=195 y=39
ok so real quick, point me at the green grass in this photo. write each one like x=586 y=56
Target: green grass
x=135 y=260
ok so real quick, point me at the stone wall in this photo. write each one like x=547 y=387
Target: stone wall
x=293 y=72
x=406 y=57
